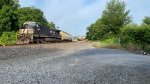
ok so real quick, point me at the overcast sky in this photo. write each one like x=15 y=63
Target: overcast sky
x=74 y=16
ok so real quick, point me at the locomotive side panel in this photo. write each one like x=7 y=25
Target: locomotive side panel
x=42 y=31
x=45 y=34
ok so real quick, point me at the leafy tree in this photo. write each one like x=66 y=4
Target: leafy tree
x=146 y=20
x=51 y=25
x=114 y=17
x=31 y=14
x=89 y=34
x=8 y=15
x=11 y=3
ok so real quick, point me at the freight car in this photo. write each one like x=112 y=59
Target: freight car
x=65 y=37
x=35 y=32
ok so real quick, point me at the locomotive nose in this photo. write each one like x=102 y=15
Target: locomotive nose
x=22 y=37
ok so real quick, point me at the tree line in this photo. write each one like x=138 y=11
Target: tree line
x=116 y=22
x=12 y=16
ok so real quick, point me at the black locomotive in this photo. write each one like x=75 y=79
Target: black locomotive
x=35 y=32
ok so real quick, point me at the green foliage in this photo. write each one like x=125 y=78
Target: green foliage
x=114 y=17
x=8 y=15
x=113 y=28
x=146 y=20
x=34 y=15
x=31 y=14
x=136 y=35
x=8 y=38
x=11 y=3
x=51 y=25
x=144 y=34
x=112 y=40
x=147 y=48
x=109 y=43
x=128 y=34
x=91 y=34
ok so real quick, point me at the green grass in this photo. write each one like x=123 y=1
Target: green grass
x=113 y=43
x=8 y=38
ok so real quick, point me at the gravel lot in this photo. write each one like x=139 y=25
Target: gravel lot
x=71 y=63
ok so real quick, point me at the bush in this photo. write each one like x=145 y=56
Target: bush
x=8 y=38
x=128 y=34
x=144 y=34
x=147 y=48
x=136 y=35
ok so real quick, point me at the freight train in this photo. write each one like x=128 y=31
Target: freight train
x=33 y=32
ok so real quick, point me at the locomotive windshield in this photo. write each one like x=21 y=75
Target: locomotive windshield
x=30 y=25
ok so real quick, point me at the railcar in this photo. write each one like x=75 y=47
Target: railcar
x=35 y=32
x=66 y=37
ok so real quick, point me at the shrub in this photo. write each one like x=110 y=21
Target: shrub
x=147 y=48
x=144 y=33
x=128 y=34
x=8 y=38
x=136 y=35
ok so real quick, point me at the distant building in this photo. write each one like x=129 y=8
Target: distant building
x=81 y=38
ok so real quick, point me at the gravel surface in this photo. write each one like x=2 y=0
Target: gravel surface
x=71 y=63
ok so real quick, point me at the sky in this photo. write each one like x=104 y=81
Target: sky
x=74 y=16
